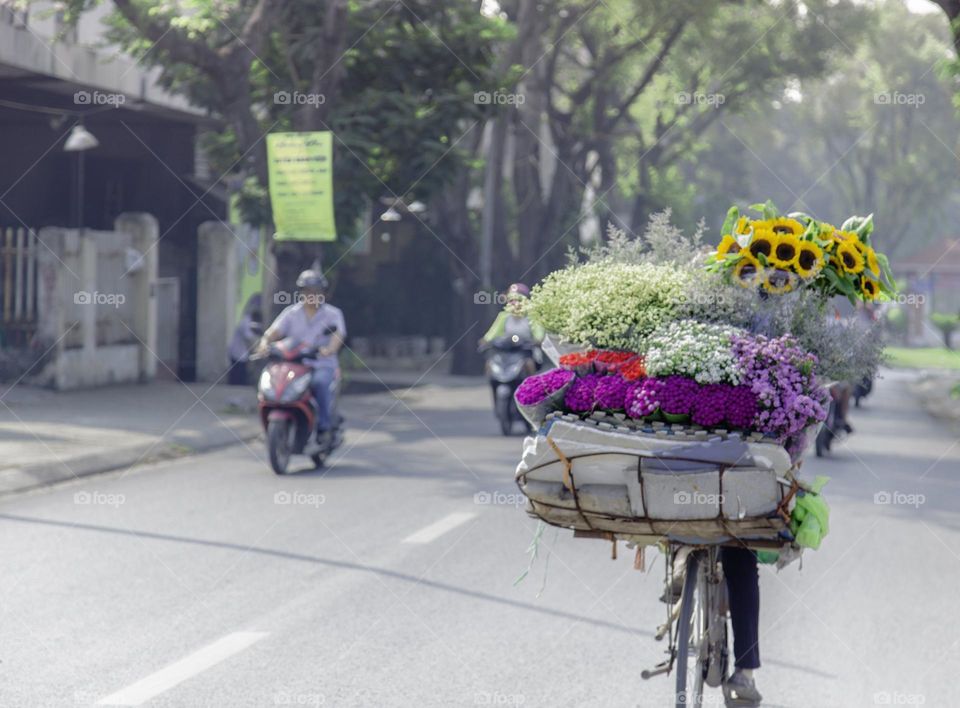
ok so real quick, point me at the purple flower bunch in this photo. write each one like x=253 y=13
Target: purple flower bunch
x=582 y=394
x=678 y=395
x=611 y=392
x=709 y=406
x=534 y=389
x=781 y=376
x=643 y=397
x=741 y=406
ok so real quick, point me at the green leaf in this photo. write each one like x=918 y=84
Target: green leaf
x=768 y=209
x=887 y=273
x=733 y=213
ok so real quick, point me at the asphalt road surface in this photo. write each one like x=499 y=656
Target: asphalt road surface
x=388 y=579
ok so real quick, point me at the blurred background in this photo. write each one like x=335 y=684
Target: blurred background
x=475 y=143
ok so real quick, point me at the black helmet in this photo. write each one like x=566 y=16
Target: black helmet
x=312 y=279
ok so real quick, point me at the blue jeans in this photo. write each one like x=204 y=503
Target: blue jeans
x=322 y=386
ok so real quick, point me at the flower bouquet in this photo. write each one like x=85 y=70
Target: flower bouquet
x=540 y=394
x=696 y=373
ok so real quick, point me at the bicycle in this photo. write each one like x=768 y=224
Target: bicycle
x=698 y=646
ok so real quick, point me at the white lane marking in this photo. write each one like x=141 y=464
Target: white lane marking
x=438 y=528
x=153 y=685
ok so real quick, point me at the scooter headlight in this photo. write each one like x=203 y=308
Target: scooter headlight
x=266 y=386
x=295 y=389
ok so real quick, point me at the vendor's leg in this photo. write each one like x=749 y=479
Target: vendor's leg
x=743 y=584
x=321 y=384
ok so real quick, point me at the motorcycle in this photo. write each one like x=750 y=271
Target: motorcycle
x=288 y=409
x=508 y=364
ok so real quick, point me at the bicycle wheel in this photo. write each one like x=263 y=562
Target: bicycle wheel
x=692 y=633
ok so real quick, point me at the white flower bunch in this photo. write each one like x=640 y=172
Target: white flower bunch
x=695 y=349
x=608 y=305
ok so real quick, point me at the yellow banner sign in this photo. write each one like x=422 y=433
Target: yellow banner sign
x=300 y=168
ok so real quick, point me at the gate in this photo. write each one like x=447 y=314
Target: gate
x=18 y=286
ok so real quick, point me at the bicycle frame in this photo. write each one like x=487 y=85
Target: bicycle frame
x=696 y=625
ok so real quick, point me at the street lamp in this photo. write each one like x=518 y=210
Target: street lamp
x=79 y=141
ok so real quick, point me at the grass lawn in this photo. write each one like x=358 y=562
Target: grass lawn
x=924 y=357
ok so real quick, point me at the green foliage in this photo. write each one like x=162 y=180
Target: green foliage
x=947 y=324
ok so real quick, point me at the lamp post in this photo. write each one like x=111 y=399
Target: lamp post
x=79 y=141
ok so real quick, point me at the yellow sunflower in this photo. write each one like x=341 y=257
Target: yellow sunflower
x=871 y=257
x=785 y=225
x=743 y=226
x=850 y=257
x=728 y=245
x=779 y=281
x=870 y=288
x=747 y=271
x=763 y=241
x=786 y=251
x=809 y=259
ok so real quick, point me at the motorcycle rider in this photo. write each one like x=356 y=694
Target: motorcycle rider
x=511 y=321
x=308 y=322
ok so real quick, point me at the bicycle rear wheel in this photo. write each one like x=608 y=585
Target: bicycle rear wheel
x=692 y=637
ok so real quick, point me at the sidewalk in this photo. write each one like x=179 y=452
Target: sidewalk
x=48 y=437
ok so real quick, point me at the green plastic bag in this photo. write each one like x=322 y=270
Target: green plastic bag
x=810 y=519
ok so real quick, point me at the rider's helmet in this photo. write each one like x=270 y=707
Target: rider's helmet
x=313 y=280
x=518 y=291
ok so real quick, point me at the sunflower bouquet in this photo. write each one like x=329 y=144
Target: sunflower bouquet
x=778 y=254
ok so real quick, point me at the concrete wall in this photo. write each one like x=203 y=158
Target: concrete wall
x=95 y=303
x=218 y=269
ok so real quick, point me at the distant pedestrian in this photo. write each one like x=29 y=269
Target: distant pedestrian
x=245 y=337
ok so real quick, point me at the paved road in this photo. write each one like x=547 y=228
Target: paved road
x=387 y=581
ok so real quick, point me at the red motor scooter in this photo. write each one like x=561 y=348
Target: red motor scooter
x=288 y=409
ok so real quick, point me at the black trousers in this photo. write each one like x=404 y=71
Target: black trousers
x=743 y=584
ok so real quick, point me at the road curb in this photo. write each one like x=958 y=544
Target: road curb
x=14 y=480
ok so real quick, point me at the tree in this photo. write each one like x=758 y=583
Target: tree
x=876 y=133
